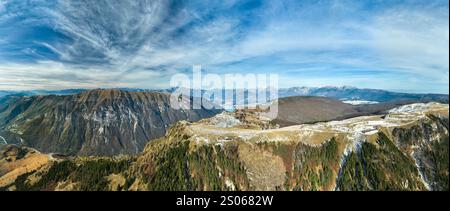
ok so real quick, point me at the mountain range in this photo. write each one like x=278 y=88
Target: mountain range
x=346 y=93
x=117 y=139
x=404 y=149
x=107 y=122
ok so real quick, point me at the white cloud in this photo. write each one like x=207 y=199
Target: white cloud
x=2 y=5
x=142 y=41
x=414 y=41
x=51 y=75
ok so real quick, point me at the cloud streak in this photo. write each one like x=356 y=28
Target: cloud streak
x=397 y=45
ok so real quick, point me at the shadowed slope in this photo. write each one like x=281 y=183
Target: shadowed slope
x=97 y=122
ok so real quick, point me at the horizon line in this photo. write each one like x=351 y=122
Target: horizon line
x=159 y=89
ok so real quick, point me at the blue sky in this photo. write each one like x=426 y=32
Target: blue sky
x=386 y=44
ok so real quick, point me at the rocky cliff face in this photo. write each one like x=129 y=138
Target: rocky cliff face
x=97 y=122
x=406 y=149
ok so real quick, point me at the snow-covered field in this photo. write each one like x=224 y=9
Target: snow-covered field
x=359 y=102
x=418 y=108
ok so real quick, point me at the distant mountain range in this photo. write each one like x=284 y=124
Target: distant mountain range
x=344 y=93
x=352 y=93
x=41 y=92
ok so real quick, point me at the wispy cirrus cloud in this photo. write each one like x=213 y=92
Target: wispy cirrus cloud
x=2 y=5
x=398 y=45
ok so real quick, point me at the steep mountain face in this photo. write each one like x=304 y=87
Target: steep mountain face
x=405 y=149
x=97 y=122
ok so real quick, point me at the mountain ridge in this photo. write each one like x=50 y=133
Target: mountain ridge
x=113 y=121
x=405 y=149
x=95 y=122
x=335 y=92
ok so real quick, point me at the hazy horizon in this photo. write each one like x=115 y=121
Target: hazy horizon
x=156 y=89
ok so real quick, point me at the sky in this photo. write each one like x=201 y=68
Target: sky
x=398 y=45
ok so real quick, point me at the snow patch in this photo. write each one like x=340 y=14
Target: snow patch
x=422 y=177
x=4 y=140
x=229 y=184
x=359 y=102
x=416 y=108
x=225 y=120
